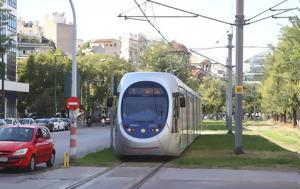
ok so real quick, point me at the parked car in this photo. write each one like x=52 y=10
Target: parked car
x=24 y=146
x=2 y=122
x=58 y=124
x=67 y=123
x=11 y=121
x=28 y=121
x=45 y=122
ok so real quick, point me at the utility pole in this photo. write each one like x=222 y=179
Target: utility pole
x=73 y=130
x=240 y=20
x=229 y=86
x=2 y=84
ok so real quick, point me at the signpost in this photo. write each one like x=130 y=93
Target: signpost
x=73 y=103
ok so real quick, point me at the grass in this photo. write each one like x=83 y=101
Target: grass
x=216 y=151
x=281 y=134
x=104 y=158
x=214 y=125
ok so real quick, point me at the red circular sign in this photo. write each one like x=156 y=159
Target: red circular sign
x=73 y=103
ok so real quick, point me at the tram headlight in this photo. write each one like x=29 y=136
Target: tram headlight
x=156 y=130
x=130 y=130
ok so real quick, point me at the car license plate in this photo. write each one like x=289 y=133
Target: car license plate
x=3 y=159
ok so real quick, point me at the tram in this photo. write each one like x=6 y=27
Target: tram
x=157 y=114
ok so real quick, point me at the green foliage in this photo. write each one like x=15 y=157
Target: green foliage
x=252 y=98
x=161 y=57
x=96 y=71
x=281 y=87
x=213 y=95
x=45 y=75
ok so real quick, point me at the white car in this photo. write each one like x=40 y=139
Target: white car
x=58 y=124
x=11 y=121
x=24 y=121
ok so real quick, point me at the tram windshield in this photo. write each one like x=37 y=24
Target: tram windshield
x=145 y=102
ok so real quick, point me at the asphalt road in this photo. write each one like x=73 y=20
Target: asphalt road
x=89 y=139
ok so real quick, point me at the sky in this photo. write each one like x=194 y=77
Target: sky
x=98 y=19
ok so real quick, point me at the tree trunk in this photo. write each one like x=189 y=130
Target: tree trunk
x=284 y=116
x=294 y=117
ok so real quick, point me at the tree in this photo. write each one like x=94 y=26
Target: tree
x=252 y=99
x=281 y=87
x=95 y=72
x=45 y=75
x=212 y=91
x=161 y=57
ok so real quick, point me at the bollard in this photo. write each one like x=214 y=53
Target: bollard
x=66 y=160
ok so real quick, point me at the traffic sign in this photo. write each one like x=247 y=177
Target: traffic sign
x=73 y=103
x=239 y=89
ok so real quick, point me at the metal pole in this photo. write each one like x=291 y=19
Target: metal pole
x=73 y=130
x=239 y=77
x=2 y=83
x=229 y=86
x=55 y=103
x=112 y=114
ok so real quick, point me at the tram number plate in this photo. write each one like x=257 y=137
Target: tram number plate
x=3 y=159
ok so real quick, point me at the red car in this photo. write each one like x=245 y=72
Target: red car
x=24 y=146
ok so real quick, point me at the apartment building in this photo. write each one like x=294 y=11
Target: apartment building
x=57 y=30
x=9 y=79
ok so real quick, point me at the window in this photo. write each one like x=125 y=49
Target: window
x=12 y=3
x=11 y=61
x=145 y=102
x=46 y=133
x=12 y=23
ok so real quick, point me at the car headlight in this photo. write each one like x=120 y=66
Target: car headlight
x=21 y=152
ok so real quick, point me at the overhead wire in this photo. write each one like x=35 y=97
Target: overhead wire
x=130 y=9
x=265 y=11
x=146 y=17
x=192 y=13
x=264 y=18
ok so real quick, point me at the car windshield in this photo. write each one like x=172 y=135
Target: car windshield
x=54 y=120
x=145 y=102
x=8 y=121
x=16 y=134
x=24 y=121
x=2 y=122
x=41 y=121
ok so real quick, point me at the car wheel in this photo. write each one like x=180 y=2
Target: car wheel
x=32 y=164
x=51 y=161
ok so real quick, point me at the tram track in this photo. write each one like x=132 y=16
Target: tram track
x=147 y=177
x=136 y=185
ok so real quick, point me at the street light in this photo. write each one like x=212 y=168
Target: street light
x=73 y=130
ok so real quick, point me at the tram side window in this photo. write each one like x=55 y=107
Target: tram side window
x=175 y=113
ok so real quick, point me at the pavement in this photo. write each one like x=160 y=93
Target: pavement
x=175 y=178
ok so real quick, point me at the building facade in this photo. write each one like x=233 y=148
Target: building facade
x=132 y=46
x=9 y=79
x=31 y=40
x=104 y=46
x=256 y=68
x=59 y=32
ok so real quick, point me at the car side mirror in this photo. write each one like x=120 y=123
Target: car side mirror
x=110 y=101
x=182 y=101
